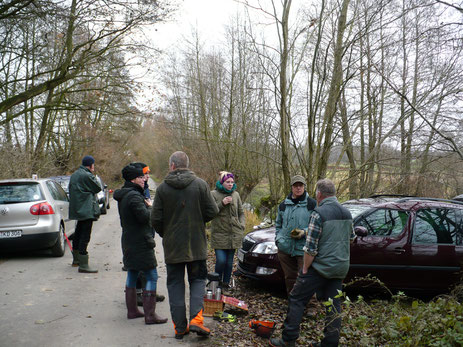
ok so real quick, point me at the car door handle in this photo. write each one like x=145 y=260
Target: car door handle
x=399 y=250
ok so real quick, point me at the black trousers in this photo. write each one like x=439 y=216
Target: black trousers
x=82 y=235
x=305 y=287
x=197 y=274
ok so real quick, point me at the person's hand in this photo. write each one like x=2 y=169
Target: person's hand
x=227 y=200
x=297 y=233
x=148 y=202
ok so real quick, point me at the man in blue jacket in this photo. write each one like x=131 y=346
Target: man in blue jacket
x=291 y=227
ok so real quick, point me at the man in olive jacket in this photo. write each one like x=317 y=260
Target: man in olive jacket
x=83 y=207
x=182 y=206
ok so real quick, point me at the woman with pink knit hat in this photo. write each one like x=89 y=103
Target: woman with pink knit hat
x=227 y=228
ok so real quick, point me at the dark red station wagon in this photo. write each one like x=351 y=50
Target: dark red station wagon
x=408 y=243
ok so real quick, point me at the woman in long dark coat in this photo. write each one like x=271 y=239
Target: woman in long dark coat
x=137 y=244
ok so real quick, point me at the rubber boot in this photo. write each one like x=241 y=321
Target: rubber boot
x=149 y=307
x=197 y=325
x=131 y=302
x=83 y=264
x=159 y=297
x=75 y=258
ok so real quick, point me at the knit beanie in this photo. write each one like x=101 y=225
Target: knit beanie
x=88 y=160
x=131 y=172
x=224 y=175
x=146 y=168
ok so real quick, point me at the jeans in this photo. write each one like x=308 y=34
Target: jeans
x=82 y=235
x=151 y=278
x=197 y=274
x=224 y=264
x=305 y=287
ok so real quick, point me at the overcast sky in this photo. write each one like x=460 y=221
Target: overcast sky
x=208 y=16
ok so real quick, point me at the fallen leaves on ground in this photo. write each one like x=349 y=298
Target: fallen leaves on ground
x=265 y=302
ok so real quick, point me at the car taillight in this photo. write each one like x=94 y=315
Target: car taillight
x=41 y=209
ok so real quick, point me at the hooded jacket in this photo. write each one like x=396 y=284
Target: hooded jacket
x=137 y=235
x=227 y=228
x=182 y=206
x=83 y=204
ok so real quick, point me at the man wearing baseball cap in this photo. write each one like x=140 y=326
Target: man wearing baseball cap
x=291 y=227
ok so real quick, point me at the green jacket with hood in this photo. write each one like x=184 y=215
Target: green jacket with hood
x=83 y=204
x=227 y=228
x=182 y=206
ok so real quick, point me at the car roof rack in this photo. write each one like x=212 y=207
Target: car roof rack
x=437 y=200
x=391 y=196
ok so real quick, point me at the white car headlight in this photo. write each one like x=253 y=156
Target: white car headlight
x=266 y=248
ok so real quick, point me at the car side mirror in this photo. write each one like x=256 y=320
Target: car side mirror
x=105 y=186
x=360 y=231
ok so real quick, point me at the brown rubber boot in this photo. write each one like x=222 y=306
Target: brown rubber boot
x=149 y=307
x=131 y=303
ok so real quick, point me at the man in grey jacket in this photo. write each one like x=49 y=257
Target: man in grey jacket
x=182 y=206
x=326 y=263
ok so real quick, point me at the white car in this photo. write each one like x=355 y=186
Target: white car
x=34 y=214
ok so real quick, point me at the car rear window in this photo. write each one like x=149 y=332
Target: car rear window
x=17 y=192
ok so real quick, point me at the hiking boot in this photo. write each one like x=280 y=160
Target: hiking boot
x=159 y=297
x=75 y=258
x=179 y=335
x=279 y=342
x=197 y=325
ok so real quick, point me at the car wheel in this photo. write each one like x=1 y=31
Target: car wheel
x=58 y=249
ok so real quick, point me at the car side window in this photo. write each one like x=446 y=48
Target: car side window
x=438 y=226
x=60 y=191
x=384 y=222
x=52 y=189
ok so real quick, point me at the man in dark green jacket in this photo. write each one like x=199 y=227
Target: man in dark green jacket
x=182 y=206
x=326 y=263
x=83 y=207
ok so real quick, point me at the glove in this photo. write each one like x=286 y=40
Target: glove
x=297 y=233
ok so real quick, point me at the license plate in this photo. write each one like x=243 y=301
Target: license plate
x=10 y=234
x=240 y=255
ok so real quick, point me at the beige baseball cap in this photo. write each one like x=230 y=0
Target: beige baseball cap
x=298 y=178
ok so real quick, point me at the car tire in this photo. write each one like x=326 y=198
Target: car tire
x=59 y=247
